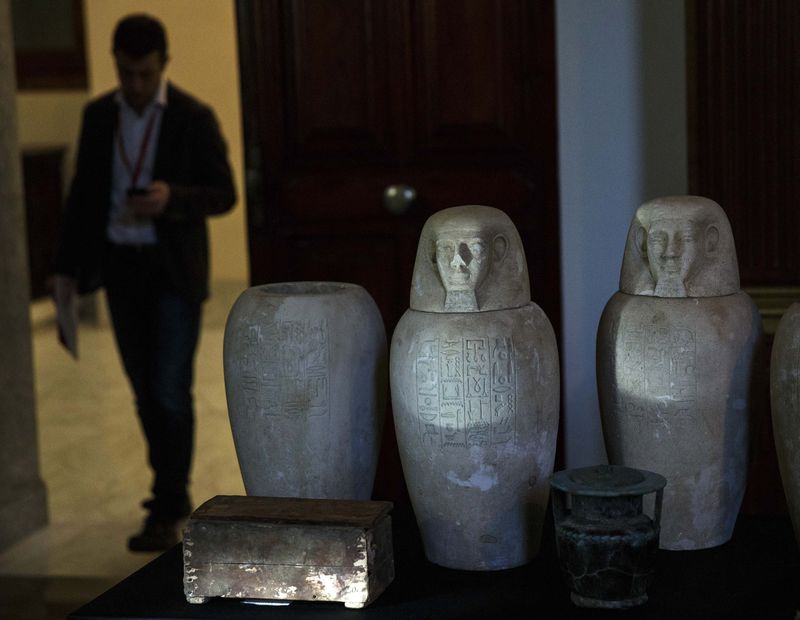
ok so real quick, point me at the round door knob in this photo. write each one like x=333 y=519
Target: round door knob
x=399 y=198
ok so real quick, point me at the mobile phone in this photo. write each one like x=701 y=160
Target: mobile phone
x=138 y=191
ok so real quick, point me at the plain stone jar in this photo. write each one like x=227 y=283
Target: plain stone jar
x=675 y=353
x=305 y=379
x=475 y=393
x=785 y=400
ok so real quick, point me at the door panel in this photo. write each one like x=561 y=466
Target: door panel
x=455 y=98
x=338 y=78
x=468 y=84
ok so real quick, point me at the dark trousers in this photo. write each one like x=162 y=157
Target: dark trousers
x=156 y=332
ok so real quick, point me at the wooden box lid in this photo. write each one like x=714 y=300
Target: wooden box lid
x=294 y=510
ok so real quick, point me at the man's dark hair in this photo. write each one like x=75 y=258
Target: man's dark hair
x=140 y=34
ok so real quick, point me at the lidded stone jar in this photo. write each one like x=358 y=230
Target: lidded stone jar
x=675 y=353
x=475 y=393
x=785 y=402
x=305 y=379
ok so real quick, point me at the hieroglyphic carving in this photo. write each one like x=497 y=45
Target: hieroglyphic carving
x=658 y=366
x=284 y=368
x=428 y=392
x=504 y=397
x=466 y=391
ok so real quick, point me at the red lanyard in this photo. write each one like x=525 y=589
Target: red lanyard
x=134 y=173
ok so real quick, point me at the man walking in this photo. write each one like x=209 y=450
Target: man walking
x=151 y=167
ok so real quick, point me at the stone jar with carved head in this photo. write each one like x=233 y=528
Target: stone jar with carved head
x=475 y=393
x=676 y=348
x=784 y=370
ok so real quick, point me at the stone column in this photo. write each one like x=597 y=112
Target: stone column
x=23 y=501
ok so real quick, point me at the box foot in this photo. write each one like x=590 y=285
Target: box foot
x=197 y=600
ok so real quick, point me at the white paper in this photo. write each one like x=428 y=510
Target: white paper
x=67 y=316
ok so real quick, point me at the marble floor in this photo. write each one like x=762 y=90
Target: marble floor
x=93 y=462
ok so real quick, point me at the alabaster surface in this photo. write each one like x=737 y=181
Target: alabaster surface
x=475 y=394
x=674 y=380
x=305 y=379
x=785 y=399
x=675 y=355
x=680 y=246
x=458 y=249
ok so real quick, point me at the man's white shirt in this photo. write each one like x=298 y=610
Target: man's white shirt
x=123 y=228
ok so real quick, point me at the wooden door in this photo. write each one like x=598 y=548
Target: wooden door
x=744 y=152
x=342 y=99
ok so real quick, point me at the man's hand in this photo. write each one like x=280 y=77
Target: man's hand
x=151 y=204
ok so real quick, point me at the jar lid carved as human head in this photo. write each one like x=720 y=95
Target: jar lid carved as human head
x=469 y=259
x=680 y=246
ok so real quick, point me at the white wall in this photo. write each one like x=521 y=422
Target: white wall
x=49 y=118
x=622 y=140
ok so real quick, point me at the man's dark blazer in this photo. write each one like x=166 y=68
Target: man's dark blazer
x=190 y=156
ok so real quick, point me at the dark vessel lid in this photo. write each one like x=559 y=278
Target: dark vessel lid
x=607 y=481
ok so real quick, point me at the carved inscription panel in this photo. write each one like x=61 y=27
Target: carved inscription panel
x=466 y=392
x=658 y=366
x=284 y=371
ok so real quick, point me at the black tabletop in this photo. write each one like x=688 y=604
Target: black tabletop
x=755 y=575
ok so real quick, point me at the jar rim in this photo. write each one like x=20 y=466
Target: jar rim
x=607 y=481
x=303 y=288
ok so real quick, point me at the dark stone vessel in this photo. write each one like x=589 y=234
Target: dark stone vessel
x=606 y=543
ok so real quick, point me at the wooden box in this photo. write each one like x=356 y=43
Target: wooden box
x=288 y=549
